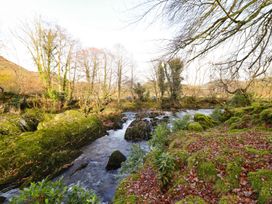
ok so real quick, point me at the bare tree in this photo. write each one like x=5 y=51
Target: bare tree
x=154 y=80
x=40 y=38
x=121 y=63
x=63 y=58
x=245 y=27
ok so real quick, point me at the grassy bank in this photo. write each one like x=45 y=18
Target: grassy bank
x=221 y=159
x=31 y=156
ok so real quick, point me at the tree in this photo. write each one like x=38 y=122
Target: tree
x=176 y=68
x=121 y=61
x=154 y=80
x=139 y=90
x=51 y=48
x=41 y=43
x=244 y=26
x=161 y=78
x=172 y=71
x=63 y=58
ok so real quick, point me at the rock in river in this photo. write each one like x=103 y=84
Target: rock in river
x=115 y=160
x=139 y=130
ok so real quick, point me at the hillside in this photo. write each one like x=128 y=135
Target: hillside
x=17 y=79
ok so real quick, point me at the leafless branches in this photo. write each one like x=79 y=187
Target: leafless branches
x=240 y=29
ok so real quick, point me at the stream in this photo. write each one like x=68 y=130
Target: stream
x=88 y=169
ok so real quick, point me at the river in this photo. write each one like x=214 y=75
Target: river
x=88 y=169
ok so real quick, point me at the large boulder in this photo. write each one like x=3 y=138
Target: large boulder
x=139 y=130
x=2 y=199
x=204 y=120
x=115 y=160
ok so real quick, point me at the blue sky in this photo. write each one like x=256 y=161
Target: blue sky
x=95 y=23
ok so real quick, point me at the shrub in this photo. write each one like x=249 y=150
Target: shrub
x=218 y=115
x=159 y=137
x=181 y=124
x=240 y=99
x=79 y=195
x=134 y=160
x=266 y=115
x=166 y=166
x=47 y=192
x=195 y=126
x=204 y=120
x=189 y=102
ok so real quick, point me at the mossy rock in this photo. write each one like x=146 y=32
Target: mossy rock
x=204 y=120
x=34 y=155
x=195 y=126
x=138 y=130
x=9 y=125
x=192 y=200
x=115 y=160
x=233 y=120
x=261 y=182
x=266 y=116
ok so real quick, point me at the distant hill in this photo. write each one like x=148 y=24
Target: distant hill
x=14 y=78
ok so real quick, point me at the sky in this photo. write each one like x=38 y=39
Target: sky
x=95 y=23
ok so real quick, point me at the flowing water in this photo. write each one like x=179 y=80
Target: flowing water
x=88 y=169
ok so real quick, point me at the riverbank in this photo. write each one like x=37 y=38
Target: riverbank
x=28 y=156
x=227 y=162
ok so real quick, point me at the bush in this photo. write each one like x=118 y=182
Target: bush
x=240 y=99
x=218 y=115
x=134 y=160
x=79 y=195
x=166 y=166
x=48 y=192
x=181 y=124
x=204 y=120
x=195 y=126
x=159 y=137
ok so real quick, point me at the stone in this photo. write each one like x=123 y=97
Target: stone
x=139 y=130
x=115 y=160
x=2 y=199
